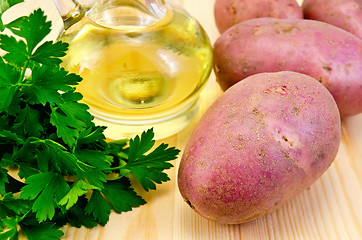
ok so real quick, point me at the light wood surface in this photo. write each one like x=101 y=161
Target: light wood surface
x=330 y=209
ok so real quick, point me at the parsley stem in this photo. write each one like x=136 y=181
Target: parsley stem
x=22 y=74
x=2 y=27
x=114 y=168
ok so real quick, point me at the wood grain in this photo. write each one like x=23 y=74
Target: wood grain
x=330 y=209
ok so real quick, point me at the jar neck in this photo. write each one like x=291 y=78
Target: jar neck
x=128 y=13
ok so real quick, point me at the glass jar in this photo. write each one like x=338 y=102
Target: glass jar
x=143 y=63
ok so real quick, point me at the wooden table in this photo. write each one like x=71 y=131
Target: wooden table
x=330 y=209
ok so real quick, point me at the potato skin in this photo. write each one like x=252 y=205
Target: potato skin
x=230 y=12
x=329 y=54
x=345 y=14
x=263 y=141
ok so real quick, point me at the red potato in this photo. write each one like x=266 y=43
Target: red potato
x=345 y=14
x=329 y=54
x=261 y=143
x=230 y=12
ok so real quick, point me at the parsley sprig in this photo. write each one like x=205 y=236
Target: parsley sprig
x=71 y=174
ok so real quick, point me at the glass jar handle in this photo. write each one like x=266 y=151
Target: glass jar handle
x=72 y=11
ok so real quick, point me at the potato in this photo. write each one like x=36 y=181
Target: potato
x=346 y=14
x=329 y=54
x=230 y=12
x=262 y=142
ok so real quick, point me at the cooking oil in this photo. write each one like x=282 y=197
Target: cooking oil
x=141 y=67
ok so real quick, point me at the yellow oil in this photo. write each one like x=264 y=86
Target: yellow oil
x=133 y=73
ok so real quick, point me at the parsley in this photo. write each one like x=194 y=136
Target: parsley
x=50 y=138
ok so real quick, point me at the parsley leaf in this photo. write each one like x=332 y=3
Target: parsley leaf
x=34 y=29
x=3 y=180
x=56 y=157
x=93 y=135
x=15 y=25
x=78 y=189
x=49 y=53
x=140 y=145
x=121 y=197
x=8 y=87
x=45 y=231
x=17 y=52
x=12 y=207
x=28 y=121
x=77 y=217
x=47 y=189
x=70 y=117
x=99 y=207
x=46 y=82
x=117 y=195
x=94 y=158
x=149 y=168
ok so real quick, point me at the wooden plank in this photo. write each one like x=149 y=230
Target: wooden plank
x=330 y=209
